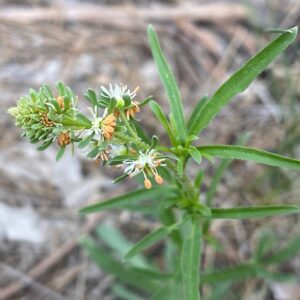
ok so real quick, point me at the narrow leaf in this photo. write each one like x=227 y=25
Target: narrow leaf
x=123 y=200
x=253 y=212
x=157 y=110
x=60 y=153
x=85 y=142
x=44 y=146
x=195 y=154
x=196 y=113
x=235 y=273
x=147 y=241
x=61 y=88
x=169 y=82
x=240 y=80
x=252 y=154
x=190 y=262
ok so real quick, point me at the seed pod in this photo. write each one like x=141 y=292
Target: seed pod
x=46 y=121
x=108 y=126
x=64 y=139
x=130 y=112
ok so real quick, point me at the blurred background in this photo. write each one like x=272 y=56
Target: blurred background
x=92 y=43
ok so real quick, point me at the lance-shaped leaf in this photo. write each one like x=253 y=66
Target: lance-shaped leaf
x=234 y=273
x=132 y=197
x=252 y=154
x=157 y=110
x=253 y=212
x=196 y=113
x=190 y=262
x=148 y=240
x=169 y=82
x=240 y=80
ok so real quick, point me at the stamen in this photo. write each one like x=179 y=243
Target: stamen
x=158 y=179
x=147 y=184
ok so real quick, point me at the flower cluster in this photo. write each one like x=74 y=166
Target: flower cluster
x=109 y=135
x=40 y=115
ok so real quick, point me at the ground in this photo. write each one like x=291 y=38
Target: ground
x=93 y=43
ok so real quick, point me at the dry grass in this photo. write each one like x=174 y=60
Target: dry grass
x=85 y=45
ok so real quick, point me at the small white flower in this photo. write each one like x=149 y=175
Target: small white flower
x=117 y=150
x=96 y=124
x=117 y=92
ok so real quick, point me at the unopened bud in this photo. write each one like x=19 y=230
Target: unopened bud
x=147 y=184
x=159 y=179
x=120 y=103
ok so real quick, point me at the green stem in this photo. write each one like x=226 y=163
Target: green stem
x=128 y=126
x=125 y=138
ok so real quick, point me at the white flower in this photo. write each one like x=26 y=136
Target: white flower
x=96 y=124
x=117 y=92
x=146 y=163
x=117 y=150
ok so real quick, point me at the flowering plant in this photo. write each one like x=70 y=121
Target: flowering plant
x=112 y=135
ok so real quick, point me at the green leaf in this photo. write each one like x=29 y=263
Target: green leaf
x=168 y=218
x=61 y=89
x=170 y=291
x=190 y=262
x=195 y=154
x=44 y=146
x=198 y=179
x=85 y=142
x=91 y=97
x=60 y=153
x=84 y=120
x=135 y=196
x=94 y=152
x=47 y=91
x=157 y=110
x=132 y=276
x=252 y=154
x=120 y=178
x=169 y=82
x=235 y=273
x=240 y=80
x=253 y=212
x=145 y=101
x=141 y=133
x=154 y=142
x=216 y=180
x=194 y=118
x=79 y=121
x=147 y=241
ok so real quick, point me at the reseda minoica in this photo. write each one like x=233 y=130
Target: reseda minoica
x=113 y=136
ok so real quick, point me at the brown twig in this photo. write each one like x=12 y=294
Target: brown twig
x=216 y=12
